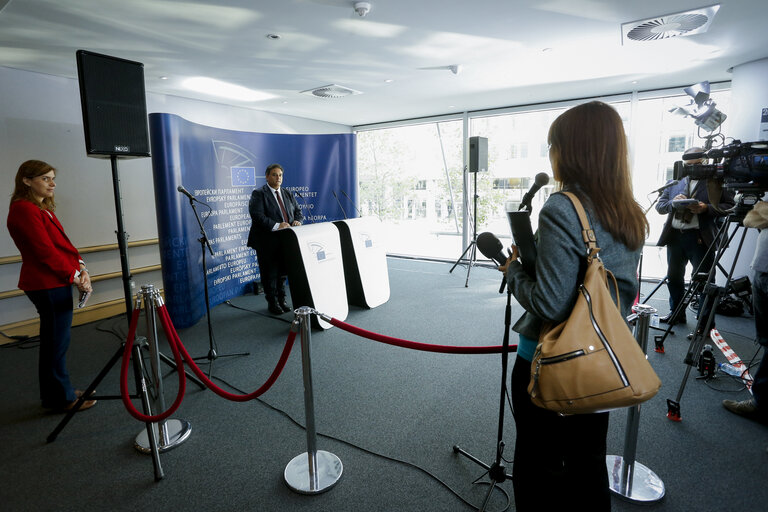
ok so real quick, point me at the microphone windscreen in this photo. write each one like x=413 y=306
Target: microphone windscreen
x=541 y=179
x=489 y=245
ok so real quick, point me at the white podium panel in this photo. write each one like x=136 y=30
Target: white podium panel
x=315 y=269
x=365 y=261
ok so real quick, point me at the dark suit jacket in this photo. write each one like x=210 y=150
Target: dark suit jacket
x=48 y=258
x=707 y=225
x=265 y=213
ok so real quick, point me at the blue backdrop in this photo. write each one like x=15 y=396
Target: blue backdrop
x=221 y=168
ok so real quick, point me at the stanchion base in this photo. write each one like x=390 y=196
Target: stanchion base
x=645 y=487
x=329 y=469
x=178 y=431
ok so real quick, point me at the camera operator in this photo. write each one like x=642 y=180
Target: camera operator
x=688 y=232
x=756 y=408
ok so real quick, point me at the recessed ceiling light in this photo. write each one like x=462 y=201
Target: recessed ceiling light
x=388 y=81
x=273 y=36
x=224 y=90
x=163 y=78
x=545 y=50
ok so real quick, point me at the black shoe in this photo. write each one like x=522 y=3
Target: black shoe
x=275 y=309
x=679 y=319
x=283 y=306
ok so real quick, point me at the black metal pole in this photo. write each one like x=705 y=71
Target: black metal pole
x=122 y=243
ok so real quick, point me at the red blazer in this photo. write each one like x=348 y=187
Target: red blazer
x=48 y=258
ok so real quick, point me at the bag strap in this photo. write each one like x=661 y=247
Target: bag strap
x=587 y=234
x=590 y=241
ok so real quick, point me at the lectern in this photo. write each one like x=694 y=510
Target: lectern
x=315 y=269
x=365 y=261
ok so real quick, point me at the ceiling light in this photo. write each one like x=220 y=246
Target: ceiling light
x=688 y=23
x=224 y=90
x=273 y=36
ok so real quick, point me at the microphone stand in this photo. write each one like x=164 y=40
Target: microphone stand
x=212 y=354
x=472 y=247
x=496 y=471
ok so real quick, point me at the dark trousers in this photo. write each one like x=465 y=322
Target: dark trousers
x=55 y=309
x=760 y=303
x=271 y=271
x=686 y=247
x=559 y=460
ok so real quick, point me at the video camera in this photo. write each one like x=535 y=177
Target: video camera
x=740 y=165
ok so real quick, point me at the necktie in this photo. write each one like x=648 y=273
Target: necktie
x=282 y=207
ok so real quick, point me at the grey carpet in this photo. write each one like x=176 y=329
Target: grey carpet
x=373 y=403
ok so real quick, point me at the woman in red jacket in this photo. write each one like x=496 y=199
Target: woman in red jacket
x=50 y=265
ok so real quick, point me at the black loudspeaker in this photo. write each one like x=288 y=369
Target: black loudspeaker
x=114 y=105
x=478 y=154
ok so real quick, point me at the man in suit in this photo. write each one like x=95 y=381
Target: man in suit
x=272 y=208
x=689 y=232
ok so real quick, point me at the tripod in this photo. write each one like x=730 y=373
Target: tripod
x=712 y=296
x=698 y=281
x=472 y=247
x=496 y=471
x=204 y=243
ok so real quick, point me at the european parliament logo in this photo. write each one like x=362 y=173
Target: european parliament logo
x=243 y=176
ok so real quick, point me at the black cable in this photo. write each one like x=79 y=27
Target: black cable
x=376 y=454
x=229 y=303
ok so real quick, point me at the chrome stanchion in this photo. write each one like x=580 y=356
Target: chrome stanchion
x=628 y=478
x=171 y=432
x=314 y=471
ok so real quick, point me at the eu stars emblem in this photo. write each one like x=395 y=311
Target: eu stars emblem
x=243 y=176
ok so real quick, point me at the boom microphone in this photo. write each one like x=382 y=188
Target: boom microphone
x=186 y=193
x=339 y=203
x=353 y=203
x=670 y=184
x=540 y=180
x=491 y=247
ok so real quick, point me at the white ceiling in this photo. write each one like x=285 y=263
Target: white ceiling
x=511 y=52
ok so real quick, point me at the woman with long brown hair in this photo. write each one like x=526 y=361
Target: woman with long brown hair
x=50 y=265
x=560 y=460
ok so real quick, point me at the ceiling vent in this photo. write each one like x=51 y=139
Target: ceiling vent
x=331 y=91
x=686 y=23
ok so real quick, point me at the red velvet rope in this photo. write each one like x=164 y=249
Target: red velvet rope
x=426 y=347
x=168 y=325
x=178 y=351
x=124 y=377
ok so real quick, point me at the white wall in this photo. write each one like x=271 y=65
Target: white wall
x=41 y=118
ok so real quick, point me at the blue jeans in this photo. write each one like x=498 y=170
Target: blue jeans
x=55 y=309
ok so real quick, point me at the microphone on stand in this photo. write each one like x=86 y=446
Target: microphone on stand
x=186 y=193
x=661 y=189
x=306 y=206
x=353 y=203
x=540 y=180
x=492 y=248
x=339 y=203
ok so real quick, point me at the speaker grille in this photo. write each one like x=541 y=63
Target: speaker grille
x=114 y=105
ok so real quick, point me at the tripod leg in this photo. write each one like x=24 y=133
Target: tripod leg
x=103 y=373
x=472 y=259
x=141 y=385
x=191 y=376
x=461 y=257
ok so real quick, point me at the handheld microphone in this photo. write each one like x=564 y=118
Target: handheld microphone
x=491 y=247
x=339 y=203
x=186 y=193
x=540 y=180
x=670 y=184
x=351 y=201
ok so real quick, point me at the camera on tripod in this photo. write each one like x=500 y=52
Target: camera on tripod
x=742 y=166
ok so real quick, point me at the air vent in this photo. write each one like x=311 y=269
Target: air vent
x=331 y=91
x=696 y=21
